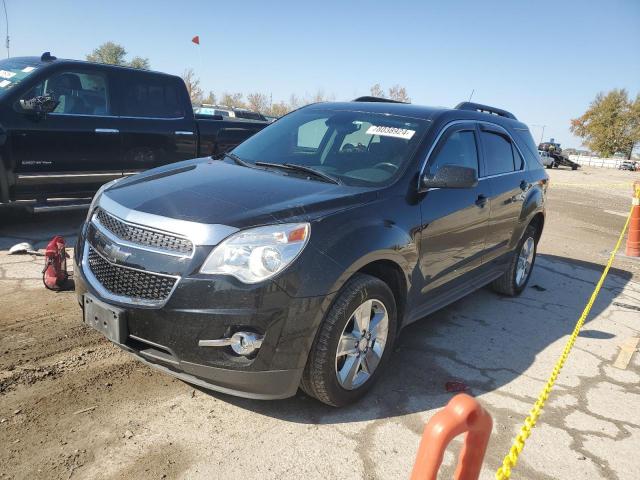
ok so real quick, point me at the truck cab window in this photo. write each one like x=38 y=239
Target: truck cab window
x=76 y=93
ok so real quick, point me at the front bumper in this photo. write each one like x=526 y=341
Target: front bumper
x=211 y=308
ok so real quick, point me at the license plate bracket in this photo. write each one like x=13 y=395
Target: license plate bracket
x=107 y=319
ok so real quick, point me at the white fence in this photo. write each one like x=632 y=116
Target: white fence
x=597 y=161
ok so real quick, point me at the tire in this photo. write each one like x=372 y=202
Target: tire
x=549 y=166
x=508 y=283
x=324 y=365
x=574 y=167
x=4 y=183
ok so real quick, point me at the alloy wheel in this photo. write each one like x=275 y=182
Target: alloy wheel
x=361 y=344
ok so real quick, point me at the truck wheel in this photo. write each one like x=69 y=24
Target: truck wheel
x=353 y=343
x=574 y=167
x=515 y=279
x=549 y=166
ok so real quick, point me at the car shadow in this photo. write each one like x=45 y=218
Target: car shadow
x=484 y=340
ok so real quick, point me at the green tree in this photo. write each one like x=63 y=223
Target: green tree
x=113 y=54
x=611 y=124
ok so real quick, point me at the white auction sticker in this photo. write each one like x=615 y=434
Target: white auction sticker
x=391 y=132
x=4 y=83
x=28 y=69
x=5 y=74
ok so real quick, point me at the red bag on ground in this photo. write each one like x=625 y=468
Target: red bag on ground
x=55 y=274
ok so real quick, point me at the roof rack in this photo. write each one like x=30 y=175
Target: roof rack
x=478 y=107
x=367 y=98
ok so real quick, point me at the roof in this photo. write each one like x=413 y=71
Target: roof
x=66 y=61
x=418 y=112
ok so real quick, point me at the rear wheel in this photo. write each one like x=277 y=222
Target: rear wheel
x=353 y=343
x=515 y=279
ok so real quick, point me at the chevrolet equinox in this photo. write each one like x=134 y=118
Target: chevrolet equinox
x=295 y=259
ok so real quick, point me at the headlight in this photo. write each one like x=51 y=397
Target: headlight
x=256 y=254
x=96 y=197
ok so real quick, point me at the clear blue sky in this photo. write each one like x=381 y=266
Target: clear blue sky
x=543 y=60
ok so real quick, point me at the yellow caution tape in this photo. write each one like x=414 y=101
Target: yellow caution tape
x=511 y=459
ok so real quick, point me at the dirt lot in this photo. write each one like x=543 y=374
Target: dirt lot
x=74 y=406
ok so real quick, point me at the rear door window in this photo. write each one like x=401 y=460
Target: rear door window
x=498 y=153
x=151 y=97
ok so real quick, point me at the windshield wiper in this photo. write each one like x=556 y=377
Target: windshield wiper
x=233 y=157
x=302 y=168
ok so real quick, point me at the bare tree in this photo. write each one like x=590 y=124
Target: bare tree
x=278 y=109
x=233 y=100
x=377 y=91
x=193 y=86
x=210 y=99
x=258 y=102
x=399 y=94
x=294 y=102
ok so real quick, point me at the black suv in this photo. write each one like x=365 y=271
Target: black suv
x=296 y=259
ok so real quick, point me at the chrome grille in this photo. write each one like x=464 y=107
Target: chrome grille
x=125 y=282
x=143 y=236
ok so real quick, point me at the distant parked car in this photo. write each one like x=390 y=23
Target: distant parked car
x=211 y=110
x=630 y=165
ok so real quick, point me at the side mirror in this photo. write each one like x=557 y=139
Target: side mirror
x=450 y=176
x=40 y=105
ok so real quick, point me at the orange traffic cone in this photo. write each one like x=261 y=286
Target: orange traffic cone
x=633 y=238
x=462 y=414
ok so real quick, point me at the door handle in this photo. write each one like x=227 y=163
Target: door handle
x=107 y=130
x=523 y=185
x=481 y=201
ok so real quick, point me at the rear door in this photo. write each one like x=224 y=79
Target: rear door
x=454 y=221
x=505 y=171
x=77 y=147
x=156 y=120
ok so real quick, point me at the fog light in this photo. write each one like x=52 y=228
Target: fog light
x=243 y=343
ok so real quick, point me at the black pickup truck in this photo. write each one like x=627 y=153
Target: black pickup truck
x=67 y=127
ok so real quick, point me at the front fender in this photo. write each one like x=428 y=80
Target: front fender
x=344 y=243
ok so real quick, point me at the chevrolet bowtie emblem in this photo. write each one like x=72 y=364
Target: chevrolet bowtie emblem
x=114 y=254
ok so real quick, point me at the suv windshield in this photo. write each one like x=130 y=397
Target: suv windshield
x=13 y=71
x=358 y=148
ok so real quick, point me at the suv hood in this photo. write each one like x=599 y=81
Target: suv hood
x=213 y=191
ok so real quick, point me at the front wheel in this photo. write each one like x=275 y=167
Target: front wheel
x=515 y=279
x=353 y=343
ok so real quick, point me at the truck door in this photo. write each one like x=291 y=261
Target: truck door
x=77 y=147
x=454 y=221
x=156 y=120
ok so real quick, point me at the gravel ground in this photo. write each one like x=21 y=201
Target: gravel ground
x=74 y=406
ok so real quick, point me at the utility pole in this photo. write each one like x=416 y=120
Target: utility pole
x=542 y=134
x=6 y=18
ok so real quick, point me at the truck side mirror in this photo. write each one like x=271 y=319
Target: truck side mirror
x=40 y=105
x=450 y=176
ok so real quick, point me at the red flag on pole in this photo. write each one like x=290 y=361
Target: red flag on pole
x=196 y=39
